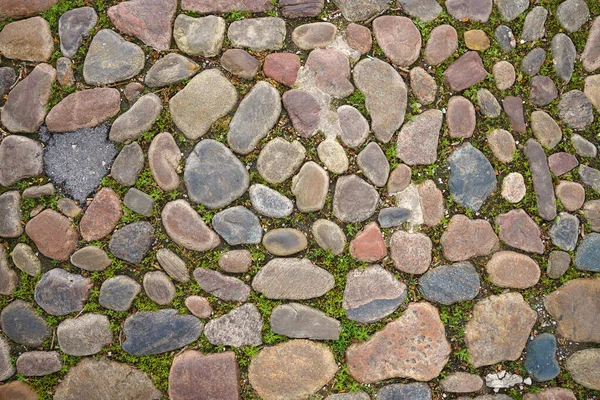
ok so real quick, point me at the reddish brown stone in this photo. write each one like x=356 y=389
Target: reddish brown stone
x=411 y=252
x=239 y=62
x=235 y=261
x=513 y=107
x=413 y=346
x=17 y=391
x=432 y=203
x=399 y=178
x=223 y=6
x=194 y=375
x=388 y=29
x=185 y=227
x=561 y=163
x=101 y=216
x=513 y=270
x=359 y=38
x=442 y=43
x=301 y=8
x=332 y=72
x=282 y=67
x=460 y=117
x=465 y=72
x=53 y=234
x=199 y=306
x=16 y=9
x=368 y=244
x=465 y=238
x=570 y=194
x=518 y=230
x=551 y=394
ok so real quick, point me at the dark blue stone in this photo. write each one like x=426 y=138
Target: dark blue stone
x=393 y=216
x=541 y=358
x=564 y=231
x=411 y=391
x=450 y=284
x=376 y=309
x=472 y=177
x=587 y=257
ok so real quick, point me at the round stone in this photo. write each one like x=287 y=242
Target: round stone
x=28 y=40
x=570 y=194
x=186 y=228
x=118 y=293
x=25 y=259
x=102 y=215
x=280 y=159
x=582 y=366
x=418 y=138
x=387 y=29
x=477 y=39
x=159 y=288
x=310 y=186
x=199 y=36
x=238 y=225
x=269 y=202
x=442 y=43
x=359 y=38
x=461 y=382
x=460 y=117
x=354 y=200
x=488 y=104
x=199 y=306
x=314 y=35
x=282 y=67
x=450 y=284
x=163 y=158
x=423 y=85
x=132 y=242
x=545 y=129
x=332 y=154
x=21 y=158
x=84 y=335
x=368 y=244
x=39 y=363
x=502 y=144
x=240 y=327
x=411 y=252
x=558 y=264
x=172 y=68
x=23 y=325
x=221 y=286
x=543 y=90
x=472 y=177
x=465 y=238
x=518 y=230
x=284 y=241
x=504 y=75
x=354 y=126
x=91 y=258
x=329 y=236
x=513 y=270
x=235 y=261
x=73 y=26
x=239 y=62
x=513 y=187
x=60 y=292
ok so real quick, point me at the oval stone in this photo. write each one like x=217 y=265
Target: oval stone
x=284 y=241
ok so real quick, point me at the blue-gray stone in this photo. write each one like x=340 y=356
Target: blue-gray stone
x=590 y=177
x=393 y=216
x=411 y=391
x=450 y=284
x=155 y=332
x=118 y=293
x=541 y=358
x=132 y=242
x=238 y=225
x=505 y=37
x=60 y=292
x=472 y=177
x=139 y=202
x=587 y=257
x=21 y=323
x=564 y=231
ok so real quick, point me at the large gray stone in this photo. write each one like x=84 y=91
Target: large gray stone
x=269 y=202
x=374 y=165
x=39 y=363
x=172 y=68
x=132 y=242
x=84 y=335
x=240 y=327
x=329 y=236
x=60 y=292
x=28 y=40
x=572 y=14
x=472 y=177
x=23 y=325
x=587 y=257
x=575 y=110
x=199 y=36
x=565 y=231
x=563 y=56
x=238 y=225
x=302 y=322
x=118 y=293
x=418 y=138
x=128 y=164
x=20 y=158
x=533 y=28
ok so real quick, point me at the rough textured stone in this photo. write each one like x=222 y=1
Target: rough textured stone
x=84 y=109
x=173 y=265
x=425 y=10
x=132 y=242
x=329 y=236
x=465 y=72
x=21 y=158
x=513 y=107
x=282 y=67
x=331 y=70
x=575 y=110
x=39 y=363
x=564 y=231
x=238 y=225
x=541 y=362
x=158 y=287
x=533 y=28
x=163 y=158
x=387 y=29
x=460 y=117
x=73 y=25
x=583 y=147
x=413 y=346
x=572 y=14
x=461 y=382
x=16 y=9
x=591 y=211
x=102 y=215
x=504 y=75
x=450 y=284
x=411 y=252
x=423 y=85
x=590 y=58
x=186 y=228
x=6 y=368
x=25 y=259
x=258 y=34
x=235 y=261
x=432 y=203
x=298 y=321
x=308 y=365
x=27 y=40
x=301 y=8
x=314 y=35
x=60 y=292
x=284 y=241
x=551 y=394
x=84 y=335
x=518 y=230
x=117 y=293
x=476 y=39
x=475 y=10
x=34 y=192
x=543 y=91
x=502 y=144
x=199 y=306
x=359 y=38
x=304 y=111
x=488 y=104
x=292 y=279
x=199 y=36
x=414 y=391
x=465 y=238
x=563 y=56
x=545 y=129
x=505 y=38
x=206 y=98
x=442 y=43
x=590 y=177
x=499 y=329
x=418 y=139
x=10 y=215
x=52 y=234
x=588 y=253
x=582 y=366
x=128 y=164
x=374 y=165
x=372 y=294
x=139 y=202
x=310 y=187
x=542 y=181
x=17 y=390
x=354 y=200
x=23 y=325
x=558 y=264
x=240 y=327
x=222 y=286
x=137 y=120
x=155 y=332
x=511 y=9
x=224 y=6
x=194 y=374
x=239 y=62
x=90 y=258
x=512 y=270
x=354 y=126
x=368 y=244
x=393 y=216
x=399 y=179
x=472 y=177
x=172 y=68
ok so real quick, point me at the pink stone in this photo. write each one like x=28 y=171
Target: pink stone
x=359 y=38
x=282 y=67
x=368 y=244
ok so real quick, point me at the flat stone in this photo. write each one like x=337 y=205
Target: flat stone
x=128 y=164
x=333 y=156
x=222 y=286
x=374 y=165
x=488 y=104
x=73 y=26
x=415 y=347
x=499 y=329
x=393 y=216
x=534 y=26
x=132 y=242
x=18 y=390
x=310 y=187
x=432 y=203
x=172 y=265
x=194 y=374
x=583 y=147
x=474 y=10
x=284 y=241
x=52 y=234
x=254 y=118
x=329 y=236
x=575 y=110
x=558 y=264
x=199 y=36
x=199 y=306
x=331 y=70
x=511 y=9
x=588 y=253
x=301 y=8
x=282 y=67
x=551 y=394
x=292 y=279
x=504 y=75
x=410 y=199
x=461 y=382
x=472 y=177
x=425 y=10
x=23 y=325
x=64 y=72
x=543 y=91
x=354 y=200
x=90 y=258
x=295 y=320
x=163 y=158
x=6 y=368
x=99 y=377
x=84 y=335
x=590 y=177
x=138 y=119
x=513 y=107
x=505 y=38
x=111 y=59
x=224 y=6
x=21 y=158
x=186 y=228
x=572 y=14
x=34 y=192
x=399 y=178
x=10 y=212
x=68 y=207
x=28 y=40
x=148 y=20
x=25 y=259
x=460 y=117
x=359 y=38
x=565 y=231
x=382 y=86
x=16 y=9
x=158 y=287
x=411 y=252
x=563 y=56
x=541 y=360
x=450 y=284
x=235 y=261
x=533 y=61
x=309 y=366
x=27 y=102
x=518 y=230
x=590 y=58
x=139 y=202
x=314 y=35
x=372 y=294
x=465 y=72
x=172 y=68
x=387 y=29
x=418 y=138
x=155 y=332
x=239 y=62
x=118 y=293
x=355 y=11
x=210 y=157
x=269 y=202
x=60 y=292
x=591 y=211
x=240 y=327
x=442 y=43
x=502 y=144
x=238 y=225
x=542 y=181
x=582 y=367
x=477 y=39
x=423 y=85
x=513 y=270
x=206 y=98
x=304 y=111
x=545 y=129
x=415 y=391
x=102 y=215
x=258 y=34
x=354 y=126
x=465 y=238
x=39 y=363
x=368 y=244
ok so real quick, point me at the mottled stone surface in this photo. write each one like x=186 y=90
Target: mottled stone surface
x=39 y=363
x=418 y=138
x=240 y=327
x=299 y=321
x=52 y=234
x=238 y=225
x=518 y=230
x=222 y=286
x=186 y=228
x=354 y=200
x=513 y=270
x=450 y=284
x=21 y=324
x=21 y=158
x=60 y=292
x=466 y=238
x=472 y=177
x=132 y=242
x=542 y=181
x=84 y=335
x=465 y=72
x=583 y=368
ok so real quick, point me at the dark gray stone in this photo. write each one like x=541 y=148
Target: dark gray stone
x=8 y=77
x=488 y=105
x=284 y=241
x=25 y=259
x=505 y=38
x=23 y=325
x=302 y=322
x=590 y=177
x=533 y=61
x=543 y=91
x=84 y=335
x=39 y=363
x=472 y=177
x=393 y=216
x=158 y=287
x=172 y=68
x=222 y=286
x=60 y=292
x=511 y=9
x=10 y=215
x=564 y=231
x=155 y=332
x=242 y=326
x=209 y=159
x=138 y=119
x=21 y=158
x=575 y=110
x=558 y=264
x=533 y=28
x=78 y=160
x=410 y=391
x=425 y=10
x=563 y=56
x=450 y=284
x=541 y=360
x=572 y=14
x=374 y=165
x=73 y=25
x=128 y=165
x=238 y=225
x=138 y=201
x=269 y=202
x=118 y=293
x=587 y=257
x=584 y=147
x=91 y=258
x=132 y=242
x=542 y=180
